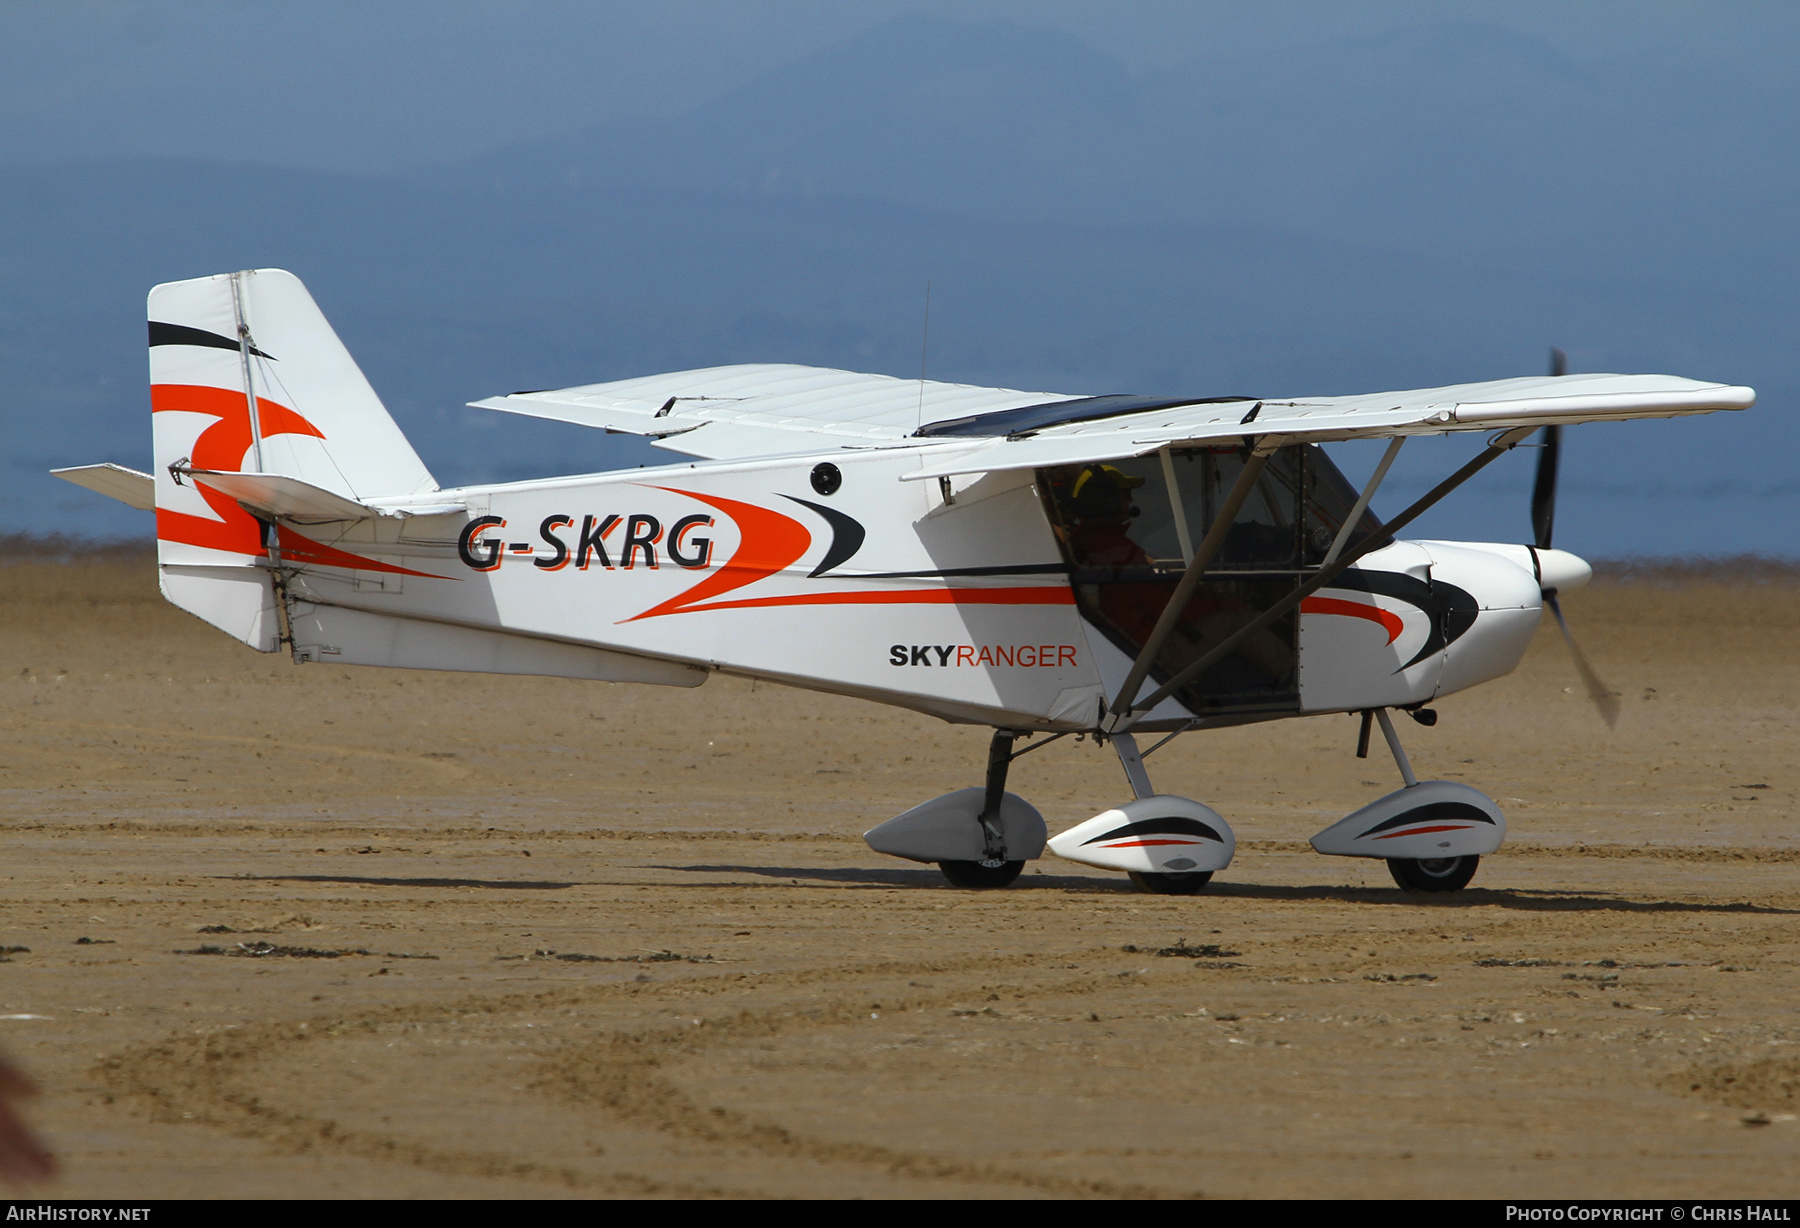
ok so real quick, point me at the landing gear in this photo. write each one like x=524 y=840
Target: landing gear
x=993 y=870
x=981 y=875
x=1433 y=873
x=1167 y=845
x=1191 y=883
x=1447 y=826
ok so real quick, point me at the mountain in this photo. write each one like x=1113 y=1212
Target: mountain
x=1421 y=210
x=1451 y=138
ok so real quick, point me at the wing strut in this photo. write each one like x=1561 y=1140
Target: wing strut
x=1190 y=580
x=1124 y=717
x=1362 y=500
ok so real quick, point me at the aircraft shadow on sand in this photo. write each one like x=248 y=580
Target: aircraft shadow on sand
x=496 y=884
x=881 y=877
x=1522 y=900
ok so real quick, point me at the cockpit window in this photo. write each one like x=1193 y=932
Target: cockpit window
x=1129 y=527
x=1122 y=513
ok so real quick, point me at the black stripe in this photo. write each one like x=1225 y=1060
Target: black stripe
x=846 y=533
x=181 y=334
x=1430 y=812
x=1028 y=418
x=1015 y=569
x=1160 y=827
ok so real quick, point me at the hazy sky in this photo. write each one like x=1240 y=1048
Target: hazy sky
x=1155 y=197
x=381 y=87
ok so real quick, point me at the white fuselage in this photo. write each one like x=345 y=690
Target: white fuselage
x=961 y=607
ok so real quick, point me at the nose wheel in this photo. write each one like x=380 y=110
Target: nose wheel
x=1433 y=873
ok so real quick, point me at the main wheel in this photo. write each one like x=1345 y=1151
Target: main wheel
x=1433 y=873
x=981 y=875
x=1193 y=882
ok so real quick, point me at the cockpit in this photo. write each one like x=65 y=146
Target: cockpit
x=1128 y=529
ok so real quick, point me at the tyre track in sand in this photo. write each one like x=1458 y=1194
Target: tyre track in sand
x=210 y=1080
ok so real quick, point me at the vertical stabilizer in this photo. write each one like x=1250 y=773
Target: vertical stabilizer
x=246 y=375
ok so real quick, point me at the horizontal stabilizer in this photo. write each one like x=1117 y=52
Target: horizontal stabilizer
x=284 y=498
x=115 y=482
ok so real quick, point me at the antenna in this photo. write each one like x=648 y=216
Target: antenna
x=924 y=348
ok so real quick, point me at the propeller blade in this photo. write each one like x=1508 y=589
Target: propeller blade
x=1543 y=526
x=1605 y=699
x=1543 y=491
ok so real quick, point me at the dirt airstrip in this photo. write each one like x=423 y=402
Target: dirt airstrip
x=308 y=931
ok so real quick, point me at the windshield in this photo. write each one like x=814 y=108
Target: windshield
x=1123 y=513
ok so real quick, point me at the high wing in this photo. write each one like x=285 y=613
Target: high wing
x=768 y=410
x=1496 y=405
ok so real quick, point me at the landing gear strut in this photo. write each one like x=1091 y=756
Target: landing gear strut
x=1191 y=882
x=1418 y=873
x=993 y=870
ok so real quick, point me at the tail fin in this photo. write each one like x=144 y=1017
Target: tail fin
x=247 y=376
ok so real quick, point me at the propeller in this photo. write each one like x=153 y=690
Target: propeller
x=1543 y=525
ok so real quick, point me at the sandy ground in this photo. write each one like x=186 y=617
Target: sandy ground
x=526 y=937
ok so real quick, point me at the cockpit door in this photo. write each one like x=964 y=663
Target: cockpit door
x=1128 y=528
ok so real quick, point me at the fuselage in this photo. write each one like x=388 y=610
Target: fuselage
x=1008 y=599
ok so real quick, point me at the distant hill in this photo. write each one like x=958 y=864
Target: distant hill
x=1454 y=137
x=1425 y=210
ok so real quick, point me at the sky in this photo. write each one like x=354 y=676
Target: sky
x=382 y=88
x=1150 y=197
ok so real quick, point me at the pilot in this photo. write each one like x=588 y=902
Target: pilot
x=1101 y=500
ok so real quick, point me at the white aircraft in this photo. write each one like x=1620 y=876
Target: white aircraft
x=1041 y=563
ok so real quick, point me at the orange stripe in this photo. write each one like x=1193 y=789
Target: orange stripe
x=1355 y=609
x=1424 y=831
x=298 y=549
x=1042 y=595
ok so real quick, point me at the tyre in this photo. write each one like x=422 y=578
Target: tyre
x=1433 y=873
x=1193 y=882
x=981 y=875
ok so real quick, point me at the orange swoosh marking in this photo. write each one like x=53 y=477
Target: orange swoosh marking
x=1356 y=609
x=221 y=446
x=768 y=542
x=1044 y=595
